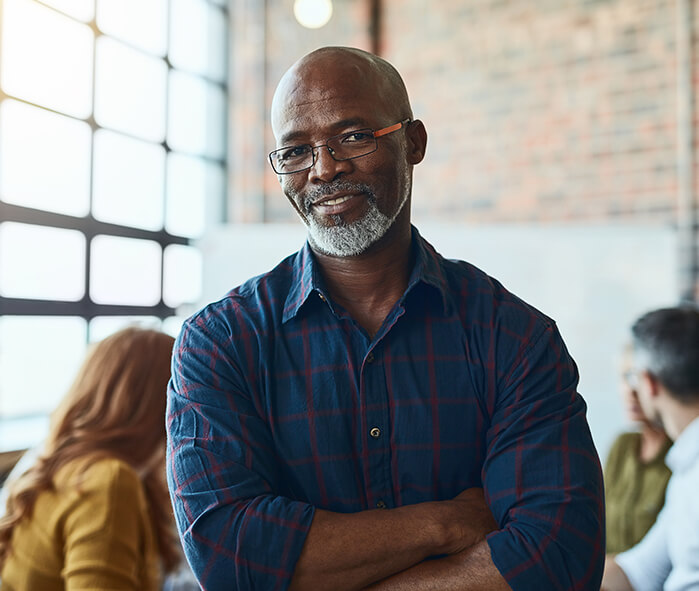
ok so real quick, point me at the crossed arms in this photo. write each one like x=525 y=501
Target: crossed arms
x=351 y=551
x=541 y=478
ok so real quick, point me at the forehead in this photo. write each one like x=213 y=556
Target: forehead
x=326 y=96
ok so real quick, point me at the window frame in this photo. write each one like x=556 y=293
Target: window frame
x=88 y=225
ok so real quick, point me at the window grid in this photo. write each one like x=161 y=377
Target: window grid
x=90 y=227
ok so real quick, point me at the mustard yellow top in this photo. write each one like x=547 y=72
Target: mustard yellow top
x=99 y=537
x=634 y=491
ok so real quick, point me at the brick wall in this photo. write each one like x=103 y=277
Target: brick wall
x=565 y=111
x=547 y=111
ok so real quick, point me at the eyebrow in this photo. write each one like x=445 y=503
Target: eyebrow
x=352 y=123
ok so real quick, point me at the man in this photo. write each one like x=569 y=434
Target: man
x=332 y=422
x=666 y=355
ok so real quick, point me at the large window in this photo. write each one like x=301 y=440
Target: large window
x=112 y=161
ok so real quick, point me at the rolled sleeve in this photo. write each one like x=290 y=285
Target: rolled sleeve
x=647 y=565
x=222 y=472
x=542 y=476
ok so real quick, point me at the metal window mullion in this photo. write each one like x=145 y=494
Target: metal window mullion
x=88 y=231
x=84 y=308
x=88 y=225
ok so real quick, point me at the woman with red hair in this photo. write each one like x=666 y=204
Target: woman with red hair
x=93 y=511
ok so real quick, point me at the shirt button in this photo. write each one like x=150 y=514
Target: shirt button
x=321 y=296
x=380 y=505
x=375 y=432
x=370 y=357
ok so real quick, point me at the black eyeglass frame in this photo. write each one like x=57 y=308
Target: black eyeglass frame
x=376 y=133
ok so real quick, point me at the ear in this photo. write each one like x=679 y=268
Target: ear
x=417 y=141
x=651 y=383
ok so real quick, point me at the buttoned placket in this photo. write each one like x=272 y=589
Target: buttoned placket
x=376 y=401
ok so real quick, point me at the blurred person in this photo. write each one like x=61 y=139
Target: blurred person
x=666 y=379
x=92 y=511
x=368 y=412
x=635 y=474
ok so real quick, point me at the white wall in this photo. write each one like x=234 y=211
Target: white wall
x=593 y=280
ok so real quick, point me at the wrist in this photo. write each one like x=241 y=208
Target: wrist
x=445 y=528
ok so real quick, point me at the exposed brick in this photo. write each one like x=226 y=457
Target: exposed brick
x=547 y=111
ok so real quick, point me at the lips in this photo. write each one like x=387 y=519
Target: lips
x=334 y=198
x=335 y=203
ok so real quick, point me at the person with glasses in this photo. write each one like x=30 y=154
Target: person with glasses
x=368 y=414
x=666 y=366
x=635 y=474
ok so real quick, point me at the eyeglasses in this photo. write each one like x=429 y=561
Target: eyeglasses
x=345 y=146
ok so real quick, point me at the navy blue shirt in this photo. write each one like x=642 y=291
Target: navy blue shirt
x=280 y=402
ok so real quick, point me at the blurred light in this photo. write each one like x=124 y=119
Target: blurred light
x=313 y=14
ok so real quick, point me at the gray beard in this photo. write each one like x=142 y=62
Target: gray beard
x=342 y=239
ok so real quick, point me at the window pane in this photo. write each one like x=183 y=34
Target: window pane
x=130 y=90
x=194 y=194
x=83 y=10
x=103 y=326
x=142 y=23
x=47 y=58
x=182 y=275
x=23 y=433
x=125 y=271
x=128 y=181
x=42 y=263
x=31 y=140
x=198 y=38
x=196 y=117
x=39 y=357
x=173 y=324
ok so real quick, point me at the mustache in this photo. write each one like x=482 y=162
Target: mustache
x=314 y=194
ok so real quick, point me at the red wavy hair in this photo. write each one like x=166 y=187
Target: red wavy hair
x=115 y=408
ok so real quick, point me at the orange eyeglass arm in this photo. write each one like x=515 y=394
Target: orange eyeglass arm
x=390 y=129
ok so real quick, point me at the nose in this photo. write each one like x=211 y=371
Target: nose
x=326 y=168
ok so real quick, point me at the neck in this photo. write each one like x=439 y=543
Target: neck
x=368 y=285
x=676 y=416
x=652 y=440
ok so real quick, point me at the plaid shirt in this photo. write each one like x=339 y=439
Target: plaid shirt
x=280 y=402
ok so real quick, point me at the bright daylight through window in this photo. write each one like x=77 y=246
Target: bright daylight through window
x=112 y=162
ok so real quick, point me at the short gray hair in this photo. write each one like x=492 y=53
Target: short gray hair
x=666 y=342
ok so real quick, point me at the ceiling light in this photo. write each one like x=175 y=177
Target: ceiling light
x=313 y=14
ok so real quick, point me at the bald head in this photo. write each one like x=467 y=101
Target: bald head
x=331 y=73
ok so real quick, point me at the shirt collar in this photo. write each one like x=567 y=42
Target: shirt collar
x=303 y=281
x=306 y=278
x=685 y=451
x=428 y=268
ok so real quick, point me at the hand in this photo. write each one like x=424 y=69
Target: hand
x=471 y=520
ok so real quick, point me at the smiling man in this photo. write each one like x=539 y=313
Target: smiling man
x=369 y=414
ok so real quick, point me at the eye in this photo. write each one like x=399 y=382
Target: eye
x=293 y=153
x=363 y=135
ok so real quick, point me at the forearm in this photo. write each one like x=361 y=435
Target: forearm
x=469 y=570
x=614 y=578
x=351 y=551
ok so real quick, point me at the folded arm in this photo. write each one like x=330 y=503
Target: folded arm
x=237 y=530
x=469 y=570
x=542 y=477
x=350 y=551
